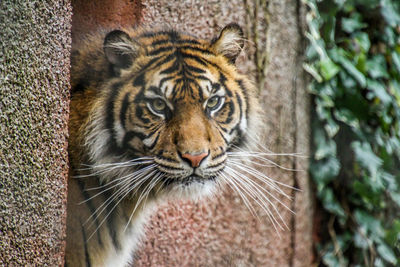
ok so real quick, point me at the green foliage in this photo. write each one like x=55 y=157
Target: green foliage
x=354 y=59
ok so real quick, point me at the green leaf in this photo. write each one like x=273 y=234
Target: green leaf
x=369 y=224
x=331 y=127
x=312 y=70
x=369 y=195
x=387 y=253
x=325 y=170
x=376 y=67
x=360 y=241
x=389 y=36
x=324 y=147
x=396 y=60
x=395 y=197
x=379 y=263
x=390 y=12
x=329 y=29
x=352 y=70
x=362 y=39
x=393 y=235
x=370 y=4
x=347 y=117
x=390 y=180
x=394 y=88
x=328 y=68
x=348 y=82
x=366 y=157
x=378 y=90
x=350 y=25
x=330 y=259
x=330 y=203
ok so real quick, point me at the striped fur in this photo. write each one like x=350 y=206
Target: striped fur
x=153 y=115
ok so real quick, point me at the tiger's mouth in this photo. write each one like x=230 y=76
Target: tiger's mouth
x=187 y=181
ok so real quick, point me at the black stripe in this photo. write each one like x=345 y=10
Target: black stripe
x=238 y=141
x=201 y=60
x=160 y=50
x=153 y=61
x=237 y=129
x=80 y=87
x=163 y=80
x=167 y=159
x=140 y=115
x=231 y=111
x=154 y=142
x=216 y=165
x=166 y=59
x=111 y=216
x=172 y=34
x=89 y=204
x=139 y=80
x=170 y=168
x=132 y=134
x=195 y=69
x=124 y=108
x=246 y=96
x=224 y=129
x=239 y=99
x=200 y=77
x=198 y=49
x=218 y=155
x=216 y=87
x=198 y=59
x=184 y=47
x=180 y=41
x=237 y=126
x=200 y=91
x=222 y=80
x=175 y=67
x=175 y=90
x=155 y=89
x=222 y=135
x=110 y=115
x=85 y=246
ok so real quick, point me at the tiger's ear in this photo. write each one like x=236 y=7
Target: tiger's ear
x=230 y=42
x=120 y=49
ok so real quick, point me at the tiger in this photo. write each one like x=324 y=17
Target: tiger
x=154 y=116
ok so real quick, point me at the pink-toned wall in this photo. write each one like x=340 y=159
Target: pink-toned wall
x=221 y=231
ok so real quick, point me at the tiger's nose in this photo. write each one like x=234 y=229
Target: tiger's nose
x=194 y=159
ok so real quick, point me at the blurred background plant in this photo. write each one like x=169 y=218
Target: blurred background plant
x=354 y=60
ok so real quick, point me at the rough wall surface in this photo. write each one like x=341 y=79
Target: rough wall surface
x=221 y=231
x=34 y=87
x=91 y=15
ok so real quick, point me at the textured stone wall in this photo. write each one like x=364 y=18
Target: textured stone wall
x=34 y=91
x=89 y=16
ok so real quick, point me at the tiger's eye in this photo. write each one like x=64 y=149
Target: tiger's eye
x=213 y=102
x=158 y=104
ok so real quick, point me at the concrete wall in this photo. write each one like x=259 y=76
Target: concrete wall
x=35 y=43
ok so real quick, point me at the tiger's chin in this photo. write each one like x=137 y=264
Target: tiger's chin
x=192 y=187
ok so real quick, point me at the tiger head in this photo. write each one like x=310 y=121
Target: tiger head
x=173 y=107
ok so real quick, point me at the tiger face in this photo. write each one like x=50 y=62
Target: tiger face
x=173 y=107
